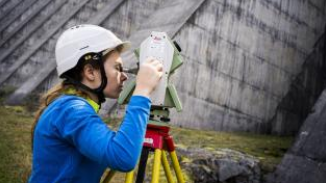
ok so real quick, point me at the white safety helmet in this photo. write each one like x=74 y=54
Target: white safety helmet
x=82 y=39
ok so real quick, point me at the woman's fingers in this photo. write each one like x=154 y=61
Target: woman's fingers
x=155 y=63
x=148 y=77
x=160 y=68
x=150 y=59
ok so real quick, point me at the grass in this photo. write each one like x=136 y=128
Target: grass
x=15 y=151
x=268 y=149
x=15 y=144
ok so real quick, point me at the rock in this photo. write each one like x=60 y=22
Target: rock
x=220 y=166
x=305 y=161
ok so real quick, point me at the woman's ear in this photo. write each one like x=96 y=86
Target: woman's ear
x=89 y=73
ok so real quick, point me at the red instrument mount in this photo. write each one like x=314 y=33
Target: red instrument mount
x=158 y=137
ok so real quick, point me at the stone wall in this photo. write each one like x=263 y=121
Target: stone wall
x=240 y=59
x=304 y=90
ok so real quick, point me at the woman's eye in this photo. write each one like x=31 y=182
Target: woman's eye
x=120 y=69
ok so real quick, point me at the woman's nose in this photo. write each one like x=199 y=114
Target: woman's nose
x=124 y=76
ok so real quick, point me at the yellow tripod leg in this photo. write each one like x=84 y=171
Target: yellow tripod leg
x=156 y=166
x=109 y=176
x=176 y=167
x=130 y=176
x=166 y=167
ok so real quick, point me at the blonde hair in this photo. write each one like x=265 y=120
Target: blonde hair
x=49 y=97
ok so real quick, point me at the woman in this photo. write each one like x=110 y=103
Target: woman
x=70 y=141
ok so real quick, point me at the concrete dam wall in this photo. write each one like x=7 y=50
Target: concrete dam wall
x=240 y=57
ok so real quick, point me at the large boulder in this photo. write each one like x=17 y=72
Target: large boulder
x=219 y=165
x=305 y=161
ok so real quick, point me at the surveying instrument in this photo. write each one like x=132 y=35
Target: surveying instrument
x=157 y=138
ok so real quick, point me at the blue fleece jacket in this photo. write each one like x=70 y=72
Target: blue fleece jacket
x=72 y=143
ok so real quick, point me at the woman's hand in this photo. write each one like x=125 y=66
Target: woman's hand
x=149 y=75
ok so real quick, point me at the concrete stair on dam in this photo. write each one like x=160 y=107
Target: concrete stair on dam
x=7 y=6
x=7 y=36
x=18 y=35
x=15 y=13
x=159 y=20
x=27 y=31
x=44 y=48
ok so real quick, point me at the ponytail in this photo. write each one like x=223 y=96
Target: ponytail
x=49 y=97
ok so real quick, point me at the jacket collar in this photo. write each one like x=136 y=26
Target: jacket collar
x=95 y=106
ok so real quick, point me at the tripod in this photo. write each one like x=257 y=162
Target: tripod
x=157 y=140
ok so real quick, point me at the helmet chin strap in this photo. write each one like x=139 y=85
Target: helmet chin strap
x=99 y=92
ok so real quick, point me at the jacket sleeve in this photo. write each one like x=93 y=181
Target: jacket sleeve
x=119 y=150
